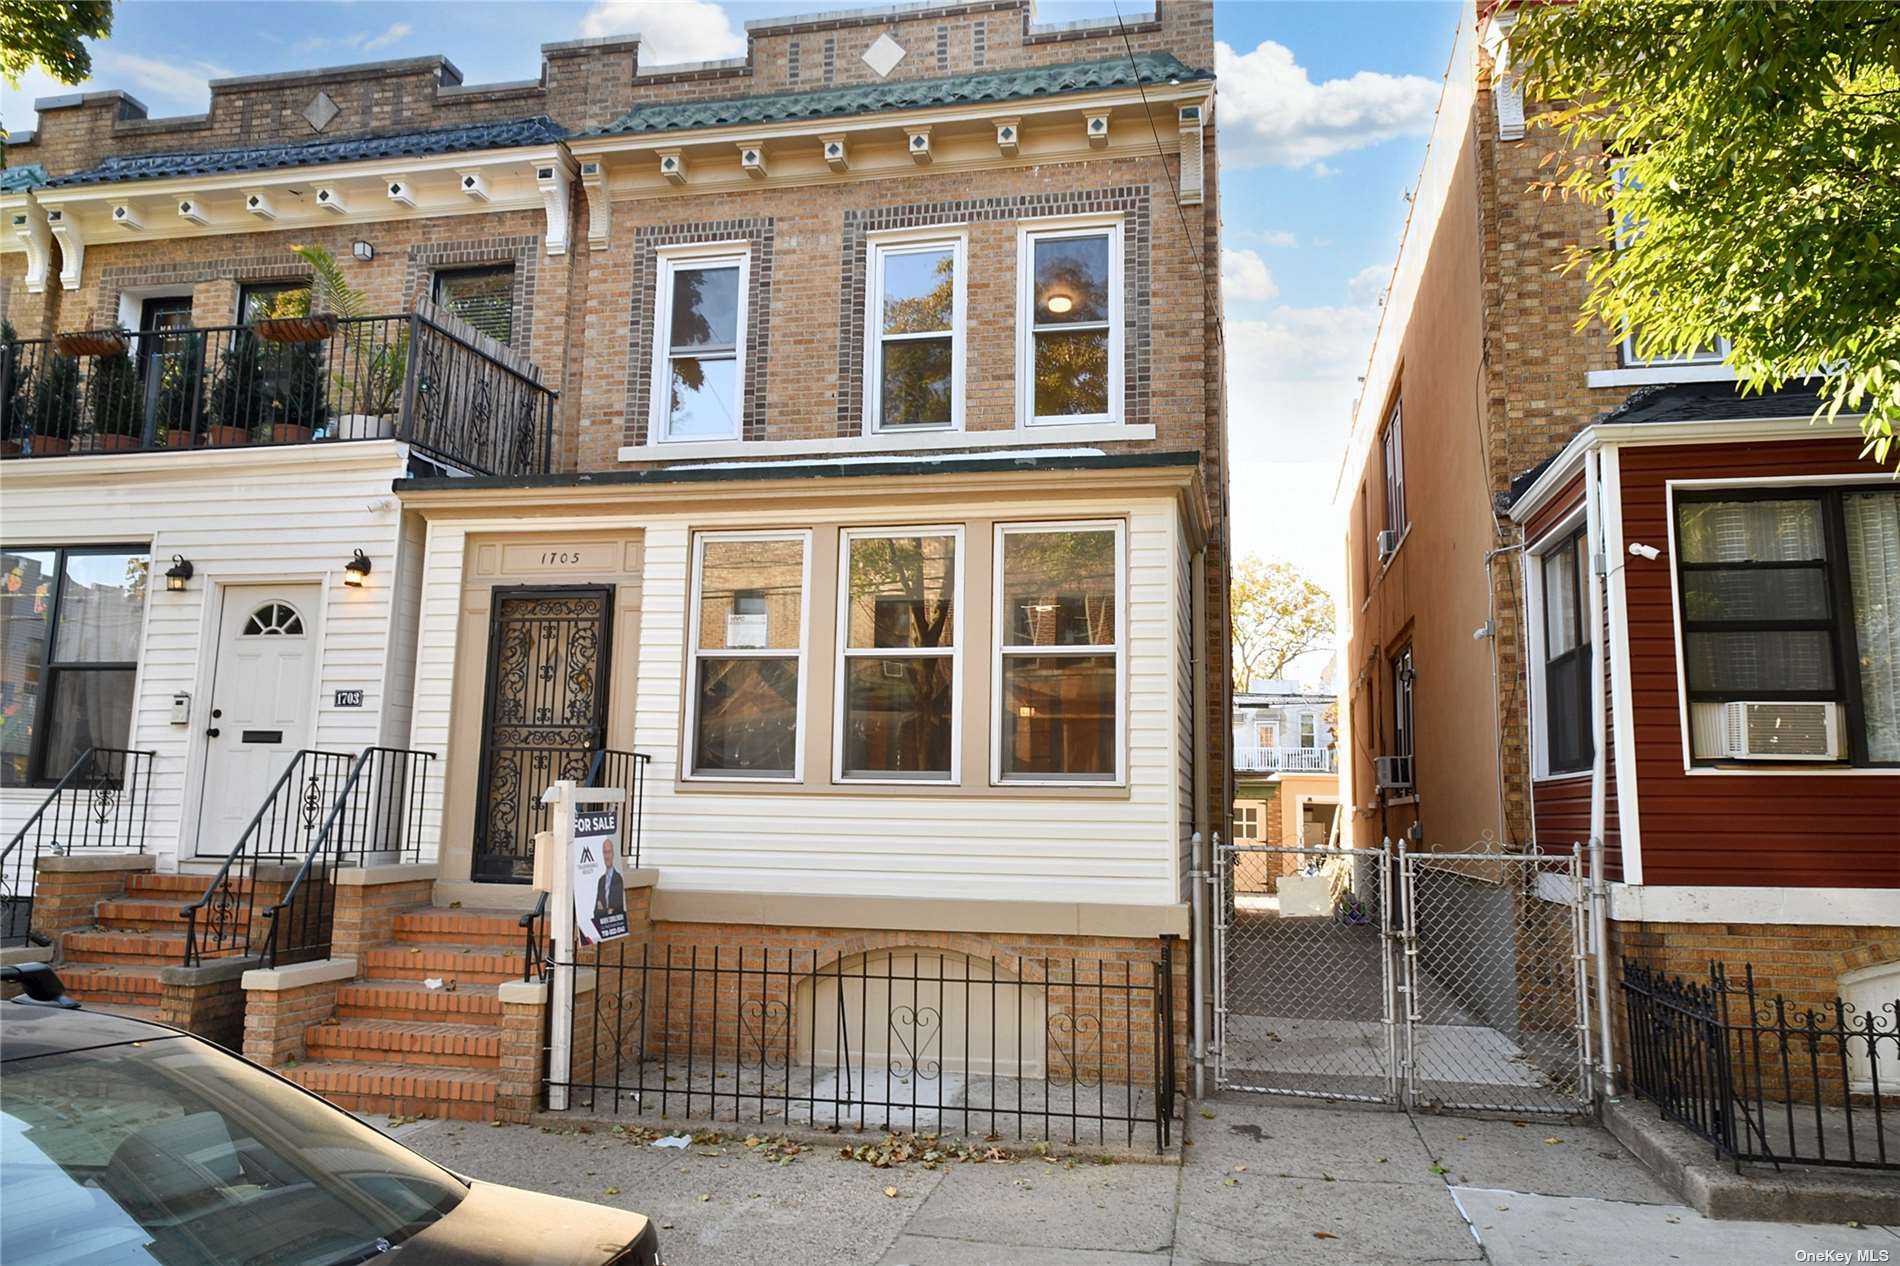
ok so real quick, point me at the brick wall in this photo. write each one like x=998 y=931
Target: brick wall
x=366 y=913
x=275 y=1020
x=64 y=900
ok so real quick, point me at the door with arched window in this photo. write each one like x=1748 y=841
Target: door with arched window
x=262 y=697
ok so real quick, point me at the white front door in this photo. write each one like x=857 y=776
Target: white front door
x=260 y=704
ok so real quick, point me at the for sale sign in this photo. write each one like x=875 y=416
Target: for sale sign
x=600 y=890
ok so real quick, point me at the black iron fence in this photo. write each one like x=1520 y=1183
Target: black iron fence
x=414 y=377
x=326 y=811
x=1063 y=1049
x=1765 y=1079
x=101 y=803
x=219 y=924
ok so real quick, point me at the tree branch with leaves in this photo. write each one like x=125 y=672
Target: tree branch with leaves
x=1279 y=614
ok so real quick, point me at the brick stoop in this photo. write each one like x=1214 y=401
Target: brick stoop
x=396 y=1046
x=114 y=966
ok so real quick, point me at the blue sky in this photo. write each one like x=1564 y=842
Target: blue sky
x=1323 y=111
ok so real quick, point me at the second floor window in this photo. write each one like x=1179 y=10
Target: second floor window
x=1309 y=732
x=1394 y=446
x=1070 y=356
x=699 y=345
x=1568 y=743
x=273 y=301
x=916 y=358
x=483 y=297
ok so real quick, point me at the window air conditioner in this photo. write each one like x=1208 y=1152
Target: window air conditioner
x=1759 y=730
x=1388 y=544
x=1392 y=773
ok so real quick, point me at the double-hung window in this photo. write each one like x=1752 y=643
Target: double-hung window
x=1629 y=229
x=1790 y=601
x=1309 y=731
x=1070 y=318
x=70 y=622
x=1393 y=446
x=746 y=688
x=898 y=680
x=915 y=381
x=1059 y=611
x=484 y=297
x=699 y=343
x=1565 y=573
x=1402 y=733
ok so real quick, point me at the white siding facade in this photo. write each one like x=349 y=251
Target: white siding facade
x=293 y=514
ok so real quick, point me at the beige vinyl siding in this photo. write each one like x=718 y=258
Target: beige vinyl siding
x=1090 y=844
x=290 y=514
x=1184 y=710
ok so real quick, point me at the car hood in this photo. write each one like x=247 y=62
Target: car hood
x=507 y=1226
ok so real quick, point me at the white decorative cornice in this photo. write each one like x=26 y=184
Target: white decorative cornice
x=599 y=204
x=27 y=225
x=72 y=247
x=551 y=178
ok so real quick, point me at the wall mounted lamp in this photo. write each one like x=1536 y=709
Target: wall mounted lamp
x=362 y=249
x=177 y=574
x=356 y=571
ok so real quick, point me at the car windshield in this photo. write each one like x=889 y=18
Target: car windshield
x=170 y=1152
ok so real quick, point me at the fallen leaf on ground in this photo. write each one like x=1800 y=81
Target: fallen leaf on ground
x=890 y=1191
x=1324 y=1235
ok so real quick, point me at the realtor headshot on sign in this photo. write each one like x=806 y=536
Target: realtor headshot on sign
x=610 y=895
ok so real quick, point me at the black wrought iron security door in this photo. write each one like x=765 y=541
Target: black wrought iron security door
x=546 y=714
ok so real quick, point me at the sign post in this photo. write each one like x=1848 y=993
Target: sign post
x=579 y=860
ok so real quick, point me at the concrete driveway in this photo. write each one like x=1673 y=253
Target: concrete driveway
x=1259 y=1182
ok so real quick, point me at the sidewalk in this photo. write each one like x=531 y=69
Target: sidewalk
x=1260 y=1182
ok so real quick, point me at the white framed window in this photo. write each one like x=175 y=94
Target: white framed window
x=900 y=655
x=1069 y=321
x=1247 y=822
x=746 y=669
x=1060 y=669
x=914 y=331
x=1309 y=730
x=699 y=348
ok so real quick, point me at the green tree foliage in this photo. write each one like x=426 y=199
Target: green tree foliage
x=49 y=33
x=1748 y=156
x=1278 y=615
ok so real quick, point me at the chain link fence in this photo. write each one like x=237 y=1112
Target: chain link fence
x=1451 y=982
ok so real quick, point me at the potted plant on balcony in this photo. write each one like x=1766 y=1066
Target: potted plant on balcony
x=180 y=388
x=112 y=394
x=14 y=395
x=113 y=342
x=55 y=407
x=295 y=395
x=237 y=393
x=375 y=356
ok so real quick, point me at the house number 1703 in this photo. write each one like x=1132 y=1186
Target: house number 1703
x=555 y=556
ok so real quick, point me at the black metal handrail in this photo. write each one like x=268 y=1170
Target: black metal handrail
x=305 y=380
x=612 y=767
x=1764 y=1080
x=533 y=924
x=283 y=827
x=377 y=813
x=103 y=801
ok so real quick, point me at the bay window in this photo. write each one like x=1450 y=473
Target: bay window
x=1791 y=596
x=915 y=378
x=1070 y=318
x=898 y=678
x=1060 y=625
x=1565 y=572
x=70 y=622
x=699 y=343
x=746 y=691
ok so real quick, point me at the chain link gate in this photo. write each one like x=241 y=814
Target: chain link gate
x=1429 y=981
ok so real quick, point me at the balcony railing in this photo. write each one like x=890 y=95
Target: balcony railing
x=424 y=378
x=1292 y=760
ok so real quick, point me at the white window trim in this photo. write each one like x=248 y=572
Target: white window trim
x=689 y=743
x=1534 y=556
x=1027 y=234
x=671 y=259
x=910 y=241
x=1689 y=767
x=999 y=632
x=954 y=653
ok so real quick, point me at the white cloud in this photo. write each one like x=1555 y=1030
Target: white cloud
x=394 y=32
x=669 y=30
x=1272 y=113
x=1366 y=285
x=1244 y=277
x=1277 y=237
x=166 y=87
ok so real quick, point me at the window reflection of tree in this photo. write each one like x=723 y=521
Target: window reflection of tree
x=901 y=599
x=692 y=339
x=917 y=371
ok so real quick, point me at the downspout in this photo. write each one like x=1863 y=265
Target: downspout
x=1599 y=760
x=1202 y=873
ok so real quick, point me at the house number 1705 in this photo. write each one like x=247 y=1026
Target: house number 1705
x=554 y=556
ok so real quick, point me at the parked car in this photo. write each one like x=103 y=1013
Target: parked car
x=128 y=1142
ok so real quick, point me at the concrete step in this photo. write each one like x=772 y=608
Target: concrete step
x=409 y=1089
x=465 y=964
x=434 y=925
x=161 y=949
x=97 y=985
x=408 y=1000
x=407 y=1042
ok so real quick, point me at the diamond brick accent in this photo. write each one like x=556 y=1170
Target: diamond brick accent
x=883 y=55
x=321 y=112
